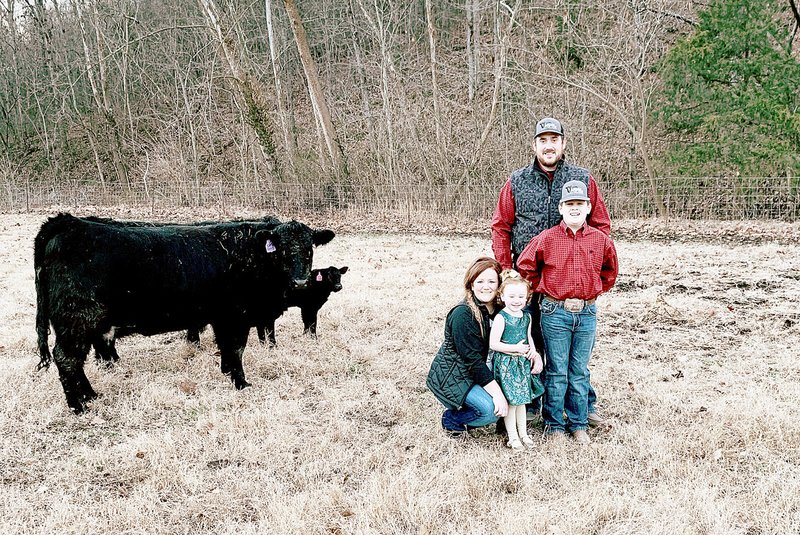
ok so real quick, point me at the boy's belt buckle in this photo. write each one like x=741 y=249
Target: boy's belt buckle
x=573 y=305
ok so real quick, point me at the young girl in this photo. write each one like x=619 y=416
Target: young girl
x=512 y=354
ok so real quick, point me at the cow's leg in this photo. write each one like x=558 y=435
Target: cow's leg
x=69 y=357
x=262 y=337
x=309 y=316
x=105 y=349
x=231 y=341
x=270 y=328
x=193 y=336
x=267 y=331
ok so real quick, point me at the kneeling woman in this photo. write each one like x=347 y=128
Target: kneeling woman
x=459 y=376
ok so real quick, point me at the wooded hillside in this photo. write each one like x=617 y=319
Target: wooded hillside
x=388 y=94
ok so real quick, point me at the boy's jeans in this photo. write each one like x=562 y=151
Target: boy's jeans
x=478 y=411
x=568 y=340
x=536 y=331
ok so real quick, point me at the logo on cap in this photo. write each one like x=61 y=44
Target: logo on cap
x=573 y=189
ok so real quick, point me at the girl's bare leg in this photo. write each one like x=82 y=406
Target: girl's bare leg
x=511 y=425
x=522 y=426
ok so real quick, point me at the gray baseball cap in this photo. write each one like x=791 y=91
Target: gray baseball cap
x=574 y=190
x=549 y=125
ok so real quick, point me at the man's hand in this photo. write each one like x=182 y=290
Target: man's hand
x=537 y=364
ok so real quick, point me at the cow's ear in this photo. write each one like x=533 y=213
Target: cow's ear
x=343 y=270
x=321 y=237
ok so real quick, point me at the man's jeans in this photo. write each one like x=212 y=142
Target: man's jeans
x=569 y=339
x=478 y=411
x=536 y=332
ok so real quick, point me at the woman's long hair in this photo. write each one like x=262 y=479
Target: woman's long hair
x=478 y=266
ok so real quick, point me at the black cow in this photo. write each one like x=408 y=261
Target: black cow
x=309 y=299
x=93 y=277
x=105 y=349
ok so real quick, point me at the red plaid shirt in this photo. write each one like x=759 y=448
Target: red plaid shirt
x=505 y=214
x=564 y=265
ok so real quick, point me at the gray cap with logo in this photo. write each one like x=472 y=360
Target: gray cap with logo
x=549 y=125
x=574 y=190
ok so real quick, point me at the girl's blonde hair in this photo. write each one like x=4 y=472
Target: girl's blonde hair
x=509 y=277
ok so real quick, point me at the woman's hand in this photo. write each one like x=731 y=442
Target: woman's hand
x=499 y=400
x=500 y=406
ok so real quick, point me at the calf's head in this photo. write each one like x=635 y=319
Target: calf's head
x=291 y=247
x=329 y=278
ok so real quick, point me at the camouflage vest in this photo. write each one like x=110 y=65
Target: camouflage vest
x=536 y=200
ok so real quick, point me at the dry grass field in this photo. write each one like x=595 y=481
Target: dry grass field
x=696 y=364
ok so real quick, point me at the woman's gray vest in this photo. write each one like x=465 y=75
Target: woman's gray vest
x=536 y=200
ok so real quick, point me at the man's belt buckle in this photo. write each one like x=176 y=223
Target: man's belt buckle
x=573 y=305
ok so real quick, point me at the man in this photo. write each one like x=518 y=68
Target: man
x=528 y=205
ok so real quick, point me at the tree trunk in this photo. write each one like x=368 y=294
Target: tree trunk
x=499 y=64
x=315 y=91
x=434 y=82
x=98 y=84
x=285 y=118
x=390 y=152
x=648 y=166
x=249 y=92
x=12 y=26
x=471 y=9
x=362 y=84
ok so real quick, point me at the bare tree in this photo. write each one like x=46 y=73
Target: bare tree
x=472 y=39
x=98 y=81
x=437 y=119
x=287 y=124
x=249 y=90
x=315 y=91
x=503 y=36
x=12 y=107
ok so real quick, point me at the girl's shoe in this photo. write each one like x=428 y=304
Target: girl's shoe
x=528 y=441
x=515 y=445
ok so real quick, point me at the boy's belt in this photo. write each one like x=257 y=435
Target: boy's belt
x=571 y=305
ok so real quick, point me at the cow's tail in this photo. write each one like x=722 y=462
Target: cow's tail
x=42 y=319
x=46 y=233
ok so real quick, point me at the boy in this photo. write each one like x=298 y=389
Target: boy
x=570 y=265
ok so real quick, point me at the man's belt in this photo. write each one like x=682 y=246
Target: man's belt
x=572 y=304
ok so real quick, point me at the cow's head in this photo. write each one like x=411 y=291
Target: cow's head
x=329 y=278
x=291 y=246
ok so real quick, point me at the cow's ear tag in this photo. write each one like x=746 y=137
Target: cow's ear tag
x=270 y=247
x=319 y=277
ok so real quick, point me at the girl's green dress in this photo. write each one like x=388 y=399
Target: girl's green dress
x=512 y=372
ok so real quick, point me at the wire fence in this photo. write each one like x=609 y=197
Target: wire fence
x=718 y=198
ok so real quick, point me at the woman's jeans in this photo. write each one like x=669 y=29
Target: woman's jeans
x=478 y=411
x=568 y=339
